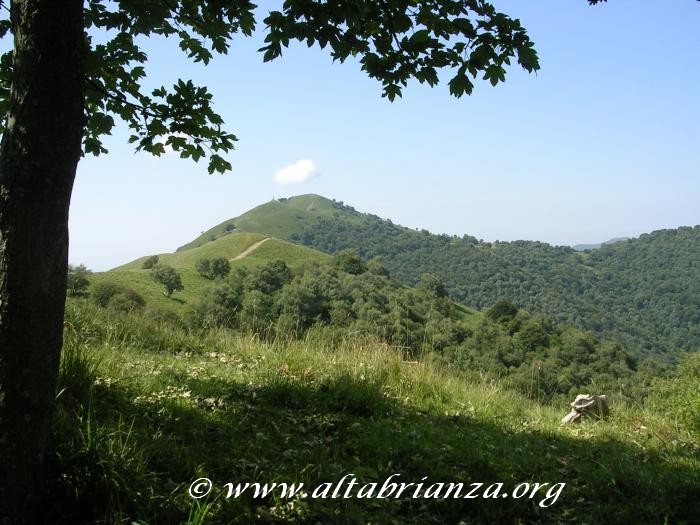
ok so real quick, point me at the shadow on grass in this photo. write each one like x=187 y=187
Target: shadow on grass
x=299 y=431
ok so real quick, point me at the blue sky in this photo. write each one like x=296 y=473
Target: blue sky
x=602 y=142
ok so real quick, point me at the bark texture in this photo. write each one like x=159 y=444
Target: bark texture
x=38 y=159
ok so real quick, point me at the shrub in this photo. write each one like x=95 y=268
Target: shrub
x=77 y=280
x=104 y=293
x=126 y=301
x=376 y=266
x=502 y=311
x=270 y=277
x=101 y=293
x=433 y=285
x=348 y=261
x=220 y=267
x=168 y=277
x=216 y=268
x=203 y=267
x=150 y=262
x=218 y=306
x=161 y=315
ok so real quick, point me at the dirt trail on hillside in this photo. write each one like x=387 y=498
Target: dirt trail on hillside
x=250 y=249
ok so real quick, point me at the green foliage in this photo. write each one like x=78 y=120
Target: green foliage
x=394 y=43
x=502 y=311
x=531 y=352
x=269 y=277
x=408 y=39
x=376 y=266
x=203 y=267
x=642 y=292
x=218 y=306
x=216 y=268
x=78 y=280
x=433 y=285
x=150 y=262
x=116 y=296
x=126 y=301
x=348 y=261
x=168 y=277
x=679 y=396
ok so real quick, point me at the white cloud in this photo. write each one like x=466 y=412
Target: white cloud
x=296 y=173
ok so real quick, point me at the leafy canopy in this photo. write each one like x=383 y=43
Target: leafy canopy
x=393 y=40
x=78 y=280
x=168 y=277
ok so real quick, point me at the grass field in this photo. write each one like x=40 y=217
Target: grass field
x=152 y=292
x=146 y=408
x=276 y=218
x=228 y=246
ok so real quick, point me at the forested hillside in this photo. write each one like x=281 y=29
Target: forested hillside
x=643 y=292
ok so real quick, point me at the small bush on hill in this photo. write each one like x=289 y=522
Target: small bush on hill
x=216 y=268
x=433 y=285
x=103 y=293
x=126 y=301
x=78 y=281
x=218 y=306
x=150 y=262
x=161 y=315
x=168 y=277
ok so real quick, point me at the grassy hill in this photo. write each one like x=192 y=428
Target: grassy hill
x=644 y=292
x=230 y=246
x=145 y=408
x=278 y=218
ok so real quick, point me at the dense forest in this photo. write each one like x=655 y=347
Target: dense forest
x=643 y=293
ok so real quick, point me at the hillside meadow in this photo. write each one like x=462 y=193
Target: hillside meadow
x=146 y=407
x=133 y=275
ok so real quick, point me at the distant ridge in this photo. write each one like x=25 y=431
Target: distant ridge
x=584 y=247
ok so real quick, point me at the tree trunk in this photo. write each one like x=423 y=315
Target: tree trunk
x=40 y=152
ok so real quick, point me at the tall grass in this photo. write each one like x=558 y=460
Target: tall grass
x=145 y=407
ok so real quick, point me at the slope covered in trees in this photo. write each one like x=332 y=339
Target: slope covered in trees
x=643 y=292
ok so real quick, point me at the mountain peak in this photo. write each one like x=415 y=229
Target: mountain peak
x=277 y=218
